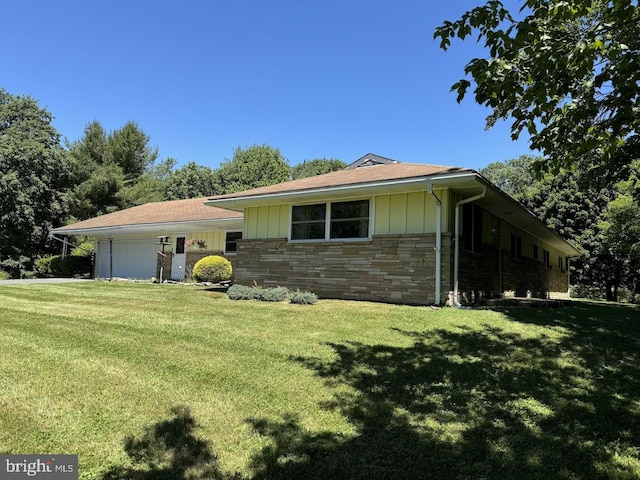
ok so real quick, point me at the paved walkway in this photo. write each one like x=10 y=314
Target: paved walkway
x=24 y=281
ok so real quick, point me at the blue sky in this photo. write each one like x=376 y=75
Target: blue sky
x=316 y=79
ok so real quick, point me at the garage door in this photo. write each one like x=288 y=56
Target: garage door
x=131 y=258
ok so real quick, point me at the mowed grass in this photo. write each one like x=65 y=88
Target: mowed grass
x=154 y=381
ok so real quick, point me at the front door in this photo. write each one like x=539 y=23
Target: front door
x=179 y=257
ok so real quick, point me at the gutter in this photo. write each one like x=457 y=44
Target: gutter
x=456 y=251
x=438 y=247
x=140 y=228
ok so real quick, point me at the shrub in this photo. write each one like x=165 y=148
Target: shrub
x=240 y=292
x=4 y=275
x=213 y=269
x=85 y=249
x=56 y=266
x=303 y=298
x=275 y=294
x=43 y=266
x=587 y=291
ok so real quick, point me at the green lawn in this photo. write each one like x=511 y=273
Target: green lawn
x=151 y=382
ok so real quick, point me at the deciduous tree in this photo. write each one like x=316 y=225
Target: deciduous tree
x=565 y=71
x=252 y=167
x=190 y=181
x=33 y=174
x=318 y=166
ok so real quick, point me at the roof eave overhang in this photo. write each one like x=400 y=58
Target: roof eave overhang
x=152 y=228
x=507 y=208
x=239 y=203
x=466 y=184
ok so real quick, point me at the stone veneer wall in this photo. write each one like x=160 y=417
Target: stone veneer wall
x=520 y=277
x=389 y=268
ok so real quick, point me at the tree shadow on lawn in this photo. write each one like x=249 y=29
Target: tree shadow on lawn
x=169 y=450
x=458 y=403
x=472 y=404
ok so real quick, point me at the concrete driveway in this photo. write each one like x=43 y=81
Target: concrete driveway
x=25 y=281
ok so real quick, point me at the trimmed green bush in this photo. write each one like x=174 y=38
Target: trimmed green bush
x=56 y=266
x=212 y=269
x=4 y=275
x=240 y=292
x=303 y=298
x=275 y=294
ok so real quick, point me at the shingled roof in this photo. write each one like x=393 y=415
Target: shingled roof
x=174 y=211
x=356 y=176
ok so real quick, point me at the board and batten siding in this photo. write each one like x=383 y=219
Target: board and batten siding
x=266 y=222
x=409 y=213
x=215 y=240
x=394 y=214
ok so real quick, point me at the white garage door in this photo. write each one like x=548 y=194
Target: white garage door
x=131 y=258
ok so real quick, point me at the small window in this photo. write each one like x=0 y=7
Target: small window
x=547 y=262
x=560 y=264
x=180 y=241
x=231 y=242
x=516 y=246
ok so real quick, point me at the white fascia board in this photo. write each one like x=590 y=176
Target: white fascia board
x=239 y=203
x=142 y=228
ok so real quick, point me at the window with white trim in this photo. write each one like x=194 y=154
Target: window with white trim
x=330 y=221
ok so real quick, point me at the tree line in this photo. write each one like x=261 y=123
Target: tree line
x=46 y=183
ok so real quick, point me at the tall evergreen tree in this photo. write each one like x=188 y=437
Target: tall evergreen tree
x=107 y=170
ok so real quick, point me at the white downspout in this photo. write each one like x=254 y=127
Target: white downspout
x=456 y=250
x=438 y=247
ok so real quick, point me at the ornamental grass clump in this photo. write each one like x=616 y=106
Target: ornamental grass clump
x=212 y=269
